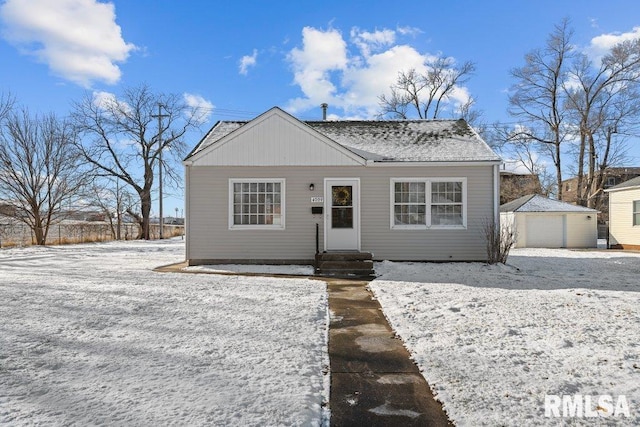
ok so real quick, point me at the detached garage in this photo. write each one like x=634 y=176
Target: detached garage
x=540 y=222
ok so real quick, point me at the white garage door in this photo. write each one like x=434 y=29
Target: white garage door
x=545 y=231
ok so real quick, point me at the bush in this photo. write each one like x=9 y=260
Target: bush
x=500 y=239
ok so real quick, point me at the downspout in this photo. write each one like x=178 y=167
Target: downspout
x=187 y=223
x=496 y=195
x=608 y=223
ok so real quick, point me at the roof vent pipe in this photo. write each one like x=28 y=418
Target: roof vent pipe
x=324 y=106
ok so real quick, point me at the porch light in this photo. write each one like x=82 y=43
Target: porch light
x=312 y=187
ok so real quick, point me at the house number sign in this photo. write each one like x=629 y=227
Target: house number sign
x=317 y=199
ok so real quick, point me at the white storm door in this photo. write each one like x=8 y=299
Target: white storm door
x=342 y=218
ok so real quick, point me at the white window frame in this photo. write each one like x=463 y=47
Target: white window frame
x=280 y=226
x=428 y=204
x=635 y=211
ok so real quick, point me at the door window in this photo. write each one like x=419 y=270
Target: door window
x=342 y=206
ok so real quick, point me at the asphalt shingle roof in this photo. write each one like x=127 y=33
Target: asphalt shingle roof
x=634 y=182
x=538 y=203
x=390 y=140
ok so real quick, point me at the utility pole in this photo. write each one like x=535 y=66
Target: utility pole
x=118 y=209
x=160 y=116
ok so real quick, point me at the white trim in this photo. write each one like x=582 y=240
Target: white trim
x=327 y=210
x=428 y=203
x=187 y=211
x=281 y=226
x=613 y=190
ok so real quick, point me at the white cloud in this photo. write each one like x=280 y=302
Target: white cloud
x=248 y=61
x=364 y=83
x=352 y=76
x=602 y=44
x=372 y=42
x=107 y=101
x=322 y=52
x=409 y=31
x=202 y=108
x=78 y=39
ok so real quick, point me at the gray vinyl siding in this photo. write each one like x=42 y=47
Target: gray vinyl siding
x=276 y=139
x=209 y=237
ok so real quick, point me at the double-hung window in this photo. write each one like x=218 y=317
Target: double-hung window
x=410 y=203
x=636 y=212
x=420 y=203
x=446 y=203
x=256 y=203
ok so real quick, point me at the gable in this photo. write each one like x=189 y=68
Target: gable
x=274 y=138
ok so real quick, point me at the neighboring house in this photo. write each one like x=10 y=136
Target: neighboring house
x=612 y=177
x=7 y=209
x=514 y=185
x=540 y=222
x=624 y=215
x=267 y=190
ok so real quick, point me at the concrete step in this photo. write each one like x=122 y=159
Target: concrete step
x=346 y=265
x=344 y=256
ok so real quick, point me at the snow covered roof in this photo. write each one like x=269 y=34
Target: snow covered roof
x=538 y=203
x=390 y=140
x=634 y=182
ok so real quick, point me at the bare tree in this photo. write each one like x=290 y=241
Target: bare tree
x=423 y=94
x=40 y=170
x=112 y=200
x=6 y=105
x=123 y=139
x=522 y=152
x=602 y=99
x=537 y=96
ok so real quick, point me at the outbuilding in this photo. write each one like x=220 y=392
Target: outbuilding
x=540 y=222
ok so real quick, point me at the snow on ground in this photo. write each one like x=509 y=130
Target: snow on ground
x=492 y=341
x=90 y=335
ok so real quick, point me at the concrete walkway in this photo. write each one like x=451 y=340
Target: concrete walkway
x=374 y=382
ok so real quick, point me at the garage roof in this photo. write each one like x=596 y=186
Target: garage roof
x=538 y=203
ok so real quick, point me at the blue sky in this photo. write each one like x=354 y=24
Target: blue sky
x=240 y=58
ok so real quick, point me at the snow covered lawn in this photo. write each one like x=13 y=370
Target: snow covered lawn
x=90 y=335
x=494 y=340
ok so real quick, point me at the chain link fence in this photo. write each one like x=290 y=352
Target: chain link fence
x=18 y=234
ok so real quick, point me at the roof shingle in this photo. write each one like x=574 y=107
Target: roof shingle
x=538 y=203
x=634 y=182
x=390 y=140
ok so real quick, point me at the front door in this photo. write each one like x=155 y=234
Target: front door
x=342 y=219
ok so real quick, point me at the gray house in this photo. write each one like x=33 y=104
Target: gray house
x=278 y=190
